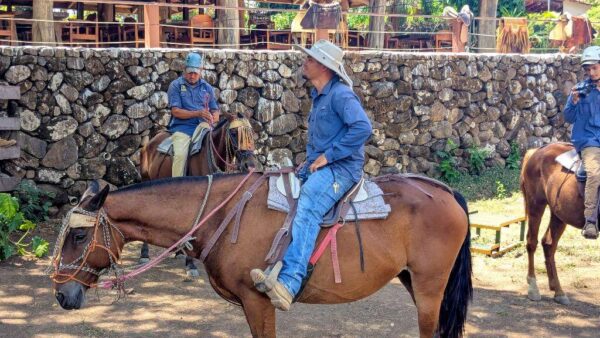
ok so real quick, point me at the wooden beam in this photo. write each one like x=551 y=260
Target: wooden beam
x=10 y=123
x=228 y=18
x=152 y=26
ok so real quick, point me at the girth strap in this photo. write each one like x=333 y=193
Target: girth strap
x=283 y=237
x=330 y=238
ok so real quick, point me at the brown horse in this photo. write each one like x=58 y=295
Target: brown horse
x=424 y=241
x=220 y=150
x=544 y=182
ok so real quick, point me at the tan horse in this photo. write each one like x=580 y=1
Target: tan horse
x=220 y=150
x=544 y=182
x=424 y=241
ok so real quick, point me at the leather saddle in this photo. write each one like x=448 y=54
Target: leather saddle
x=289 y=182
x=571 y=161
x=166 y=146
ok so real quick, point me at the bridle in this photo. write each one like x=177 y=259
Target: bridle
x=80 y=218
x=233 y=145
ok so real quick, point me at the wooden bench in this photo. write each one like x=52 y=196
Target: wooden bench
x=9 y=123
x=495 y=223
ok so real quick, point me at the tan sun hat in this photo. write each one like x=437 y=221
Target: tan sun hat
x=330 y=56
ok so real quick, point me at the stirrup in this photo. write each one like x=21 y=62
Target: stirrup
x=264 y=280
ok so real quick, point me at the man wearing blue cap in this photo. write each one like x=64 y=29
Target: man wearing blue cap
x=192 y=101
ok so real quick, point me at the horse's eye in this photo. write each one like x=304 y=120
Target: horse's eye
x=80 y=238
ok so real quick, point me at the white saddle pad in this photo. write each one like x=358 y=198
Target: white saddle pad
x=570 y=160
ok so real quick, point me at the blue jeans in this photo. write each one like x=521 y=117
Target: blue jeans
x=317 y=197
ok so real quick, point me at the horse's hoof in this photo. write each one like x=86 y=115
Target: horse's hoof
x=563 y=300
x=143 y=260
x=192 y=273
x=534 y=295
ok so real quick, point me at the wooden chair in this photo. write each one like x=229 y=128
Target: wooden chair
x=443 y=41
x=86 y=32
x=8 y=29
x=202 y=30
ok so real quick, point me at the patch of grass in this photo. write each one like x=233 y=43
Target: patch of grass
x=491 y=183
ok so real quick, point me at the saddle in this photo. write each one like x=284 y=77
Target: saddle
x=365 y=195
x=166 y=146
x=571 y=161
x=322 y=15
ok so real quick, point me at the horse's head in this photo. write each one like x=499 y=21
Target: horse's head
x=87 y=244
x=240 y=140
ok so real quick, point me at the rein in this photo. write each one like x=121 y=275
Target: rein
x=121 y=279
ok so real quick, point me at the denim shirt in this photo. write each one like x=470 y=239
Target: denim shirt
x=189 y=97
x=585 y=117
x=337 y=127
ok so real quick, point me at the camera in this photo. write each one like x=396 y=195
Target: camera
x=584 y=88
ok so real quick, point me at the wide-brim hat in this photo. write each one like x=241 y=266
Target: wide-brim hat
x=330 y=56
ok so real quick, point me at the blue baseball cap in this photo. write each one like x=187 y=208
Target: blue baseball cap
x=193 y=63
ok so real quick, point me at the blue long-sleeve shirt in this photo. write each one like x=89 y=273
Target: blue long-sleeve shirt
x=338 y=127
x=585 y=117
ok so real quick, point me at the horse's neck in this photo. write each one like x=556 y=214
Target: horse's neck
x=162 y=214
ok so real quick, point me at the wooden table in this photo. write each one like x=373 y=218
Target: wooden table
x=496 y=223
x=285 y=37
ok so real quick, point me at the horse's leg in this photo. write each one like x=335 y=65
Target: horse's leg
x=190 y=268
x=428 y=288
x=550 y=243
x=260 y=314
x=404 y=277
x=534 y=218
x=144 y=254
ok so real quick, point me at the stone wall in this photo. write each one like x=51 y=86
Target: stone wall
x=86 y=113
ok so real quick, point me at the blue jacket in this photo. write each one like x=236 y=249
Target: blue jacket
x=585 y=117
x=185 y=96
x=337 y=127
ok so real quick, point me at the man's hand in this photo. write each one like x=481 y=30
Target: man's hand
x=575 y=95
x=206 y=115
x=318 y=163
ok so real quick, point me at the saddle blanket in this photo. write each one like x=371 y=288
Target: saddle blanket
x=570 y=160
x=373 y=207
x=166 y=146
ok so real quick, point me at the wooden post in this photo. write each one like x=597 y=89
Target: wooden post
x=228 y=23
x=152 y=26
x=43 y=31
x=377 y=24
x=487 y=26
x=458 y=46
x=186 y=12
x=80 y=10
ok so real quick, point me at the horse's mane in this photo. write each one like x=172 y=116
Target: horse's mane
x=168 y=181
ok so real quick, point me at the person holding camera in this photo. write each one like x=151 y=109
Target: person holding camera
x=583 y=111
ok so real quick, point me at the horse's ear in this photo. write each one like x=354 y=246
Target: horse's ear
x=98 y=200
x=92 y=190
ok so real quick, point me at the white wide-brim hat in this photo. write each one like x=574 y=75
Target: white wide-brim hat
x=330 y=56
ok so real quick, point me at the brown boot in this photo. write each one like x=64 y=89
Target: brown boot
x=281 y=298
x=590 y=230
x=7 y=143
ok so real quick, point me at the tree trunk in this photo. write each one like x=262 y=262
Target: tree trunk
x=487 y=26
x=397 y=8
x=377 y=24
x=228 y=23
x=43 y=31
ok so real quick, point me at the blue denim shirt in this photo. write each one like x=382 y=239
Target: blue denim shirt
x=585 y=117
x=337 y=127
x=189 y=97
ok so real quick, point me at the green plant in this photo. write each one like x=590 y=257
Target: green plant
x=540 y=25
x=34 y=202
x=511 y=8
x=477 y=158
x=513 y=161
x=358 y=21
x=500 y=190
x=283 y=20
x=11 y=222
x=447 y=166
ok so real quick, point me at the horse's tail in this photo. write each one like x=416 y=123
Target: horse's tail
x=459 y=290
x=526 y=158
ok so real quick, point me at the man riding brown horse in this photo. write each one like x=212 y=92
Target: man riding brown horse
x=192 y=101
x=338 y=129
x=583 y=111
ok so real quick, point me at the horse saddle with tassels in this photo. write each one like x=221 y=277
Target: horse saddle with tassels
x=571 y=161
x=166 y=146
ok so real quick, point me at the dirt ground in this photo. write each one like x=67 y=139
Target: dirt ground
x=164 y=304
